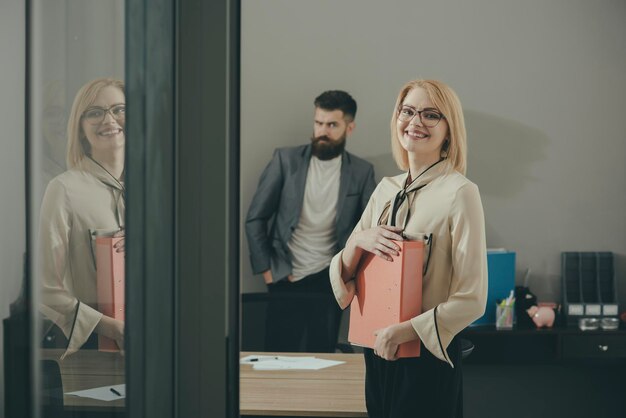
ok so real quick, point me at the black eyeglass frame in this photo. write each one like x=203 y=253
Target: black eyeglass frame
x=104 y=113
x=419 y=114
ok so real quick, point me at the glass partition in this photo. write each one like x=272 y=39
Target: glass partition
x=76 y=113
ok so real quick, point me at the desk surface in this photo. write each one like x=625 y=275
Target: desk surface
x=88 y=369
x=336 y=391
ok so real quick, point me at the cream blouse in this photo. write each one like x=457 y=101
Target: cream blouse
x=445 y=203
x=76 y=204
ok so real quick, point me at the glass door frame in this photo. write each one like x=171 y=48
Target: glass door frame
x=182 y=77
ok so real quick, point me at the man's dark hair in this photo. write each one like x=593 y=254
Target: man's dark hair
x=337 y=100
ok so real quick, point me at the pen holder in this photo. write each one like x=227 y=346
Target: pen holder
x=504 y=316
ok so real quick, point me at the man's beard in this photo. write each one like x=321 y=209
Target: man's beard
x=327 y=149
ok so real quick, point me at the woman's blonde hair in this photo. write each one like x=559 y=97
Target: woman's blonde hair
x=448 y=103
x=77 y=145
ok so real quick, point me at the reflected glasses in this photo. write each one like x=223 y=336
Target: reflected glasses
x=429 y=117
x=95 y=115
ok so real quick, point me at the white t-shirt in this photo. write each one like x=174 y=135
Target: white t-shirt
x=313 y=242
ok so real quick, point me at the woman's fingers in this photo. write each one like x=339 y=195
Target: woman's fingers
x=120 y=245
x=380 y=241
x=392 y=236
x=391 y=232
x=381 y=254
x=395 y=248
x=387 y=247
x=383 y=346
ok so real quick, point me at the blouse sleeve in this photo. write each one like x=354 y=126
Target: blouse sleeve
x=344 y=292
x=468 y=288
x=58 y=302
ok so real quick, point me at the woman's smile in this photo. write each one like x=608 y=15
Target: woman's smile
x=416 y=134
x=110 y=132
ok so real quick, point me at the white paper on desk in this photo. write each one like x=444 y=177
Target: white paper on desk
x=256 y=359
x=103 y=393
x=294 y=363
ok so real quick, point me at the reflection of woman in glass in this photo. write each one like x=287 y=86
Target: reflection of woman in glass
x=88 y=197
x=428 y=139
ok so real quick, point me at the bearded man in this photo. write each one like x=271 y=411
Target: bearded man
x=308 y=200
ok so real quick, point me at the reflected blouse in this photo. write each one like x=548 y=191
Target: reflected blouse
x=77 y=203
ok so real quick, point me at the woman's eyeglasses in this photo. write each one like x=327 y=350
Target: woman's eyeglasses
x=429 y=117
x=95 y=115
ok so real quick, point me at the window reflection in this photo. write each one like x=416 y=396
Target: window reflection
x=78 y=204
x=81 y=207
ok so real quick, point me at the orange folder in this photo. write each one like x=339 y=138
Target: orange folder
x=110 y=284
x=387 y=292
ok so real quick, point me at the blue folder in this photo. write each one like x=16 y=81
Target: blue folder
x=501 y=266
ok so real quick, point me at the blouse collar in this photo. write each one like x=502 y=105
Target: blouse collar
x=397 y=210
x=425 y=177
x=97 y=170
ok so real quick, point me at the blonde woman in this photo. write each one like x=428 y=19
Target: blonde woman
x=87 y=198
x=428 y=141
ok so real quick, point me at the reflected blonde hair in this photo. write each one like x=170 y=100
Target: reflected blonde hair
x=77 y=145
x=448 y=103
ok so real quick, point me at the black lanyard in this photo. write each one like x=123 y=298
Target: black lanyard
x=402 y=195
x=122 y=195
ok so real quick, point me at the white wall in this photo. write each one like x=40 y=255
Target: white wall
x=12 y=216
x=543 y=86
x=73 y=41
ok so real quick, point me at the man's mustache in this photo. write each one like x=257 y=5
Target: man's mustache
x=321 y=138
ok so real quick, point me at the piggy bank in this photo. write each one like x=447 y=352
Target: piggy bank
x=541 y=316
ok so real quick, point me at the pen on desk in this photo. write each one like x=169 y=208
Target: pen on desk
x=116 y=392
x=257 y=359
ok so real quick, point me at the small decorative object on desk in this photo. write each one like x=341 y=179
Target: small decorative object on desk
x=588 y=324
x=542 y=316
x=505 y=313
x=609 y=324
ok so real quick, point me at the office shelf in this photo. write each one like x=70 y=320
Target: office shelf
x=588 y=285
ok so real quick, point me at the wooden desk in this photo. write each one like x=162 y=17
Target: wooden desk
x=337 y=391
x=88 y=369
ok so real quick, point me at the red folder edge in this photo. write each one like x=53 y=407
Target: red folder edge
x=110 y=285
x=385 y=295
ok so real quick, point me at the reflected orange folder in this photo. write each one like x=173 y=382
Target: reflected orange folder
x=387 y=292
x=110 y=282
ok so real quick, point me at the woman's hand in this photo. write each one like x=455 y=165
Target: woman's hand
x=113 y=329
x=120 y=246
x=386 y=345
x=388 y=339
x=378 y=240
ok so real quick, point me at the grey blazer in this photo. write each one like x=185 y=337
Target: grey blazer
x=275 y=209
